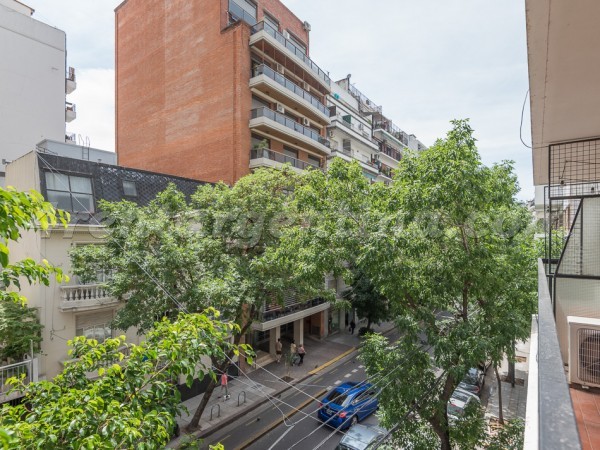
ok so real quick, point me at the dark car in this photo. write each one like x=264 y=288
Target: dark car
x=473 y=381
x=361 y=437
x=348 y=404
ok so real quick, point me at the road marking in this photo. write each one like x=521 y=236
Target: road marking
x=348 y=375
x=361 y=367
x=334 y=370
x=336 y=382
x=226 y=437
x=328 y=363
x=329 y=388
x=318 y=379
x=355 y=370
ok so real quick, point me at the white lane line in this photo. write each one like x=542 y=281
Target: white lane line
x=355 y=370
x=329 y=388
x=336 y=382
x=361 y=367
x=348 y=375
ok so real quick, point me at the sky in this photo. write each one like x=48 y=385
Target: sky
x=425 y=61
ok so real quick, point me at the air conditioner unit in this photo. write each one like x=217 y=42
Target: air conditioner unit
x=361 y=127
x=280 y=108
x=286 y=34
x=305 y=122
x=306 y=86
x=584 y=351
x=280 y=68
x=331 y=133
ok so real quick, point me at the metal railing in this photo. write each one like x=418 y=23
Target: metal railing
x=290 y=123
x=364 y=133
x=237 y=12
x=392 y=129
x=71 y=74
x=16 y=370
x=391 y=152
x=292 y=48
x=281 y=158
x=291 y=86
x=364 y=101
x=272 y=312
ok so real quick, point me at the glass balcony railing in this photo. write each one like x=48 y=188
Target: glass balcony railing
x=291 y=86
x=392 y=129
x=292 y=48
x=281 y=158
x=238 y=13
x=275 y=312
x=290 y=123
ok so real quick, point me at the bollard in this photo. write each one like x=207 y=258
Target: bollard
x=243 y=392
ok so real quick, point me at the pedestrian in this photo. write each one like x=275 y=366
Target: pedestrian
x=278 y=348
x=224 y=385
x=293 y=352
x=301 y=353
x=352 y=326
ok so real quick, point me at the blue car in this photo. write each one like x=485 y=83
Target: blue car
x=348 y=404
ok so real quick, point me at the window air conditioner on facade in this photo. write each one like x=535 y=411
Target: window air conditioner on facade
x=305 y=122
x=584 y=351
x=306 y=86
x=280 y=108
x=280 y=68
x=286 y=34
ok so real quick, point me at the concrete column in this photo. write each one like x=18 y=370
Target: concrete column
x=299 y=331
x=274 y=334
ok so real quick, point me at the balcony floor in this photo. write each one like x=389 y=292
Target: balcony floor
x=586 y=404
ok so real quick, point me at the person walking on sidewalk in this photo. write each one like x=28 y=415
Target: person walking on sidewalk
x=224 y=385
x=301 y=353
x=278 y=349
x=352 y=326
x=293 y=352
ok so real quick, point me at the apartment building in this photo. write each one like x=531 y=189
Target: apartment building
x=74 y=178
x=564 y=69
x=34 y=82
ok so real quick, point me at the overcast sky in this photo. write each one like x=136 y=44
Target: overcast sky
x=425 y=61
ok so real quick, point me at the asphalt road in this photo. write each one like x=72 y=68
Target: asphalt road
x=265 y=428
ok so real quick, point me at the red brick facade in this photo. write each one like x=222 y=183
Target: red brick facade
x=182 y=96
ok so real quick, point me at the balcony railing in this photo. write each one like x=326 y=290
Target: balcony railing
x=292 y=48
x=365 y=103
x=17 y=370
x=362 y=132
x=290 y=123
x=273 y=312
x=391 y=152
x=85 y=295
x=238 y=13
x=391 y=128
x=71 y=74
x=266 y=70
x=281 y=158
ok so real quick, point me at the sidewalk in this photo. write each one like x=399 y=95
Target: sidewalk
x=249 y=391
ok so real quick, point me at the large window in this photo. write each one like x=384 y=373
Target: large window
x=271 y=21
x=292 y=152
x=95 y=326
x=69 y=192
x=301 y=45
x=244 y=10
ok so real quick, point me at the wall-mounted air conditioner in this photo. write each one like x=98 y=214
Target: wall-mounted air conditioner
x=286 y=34
x=305 y=122
x=306 y=86
x=280 y=108
x=280 y=68
x=331 y=133
x=584 y=351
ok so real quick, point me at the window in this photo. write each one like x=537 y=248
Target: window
x=298 y=43
x=347 y=145
x=95 y=326
x=271 y=21
x=315 y=161
x=244 y=10
x=69 y=192
x=290 y=152
x=129 y=188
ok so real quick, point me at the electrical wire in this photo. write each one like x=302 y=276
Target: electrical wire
x=522 y=114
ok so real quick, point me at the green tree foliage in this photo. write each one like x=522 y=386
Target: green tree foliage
x=132 y=403
x=210 y=251
x=450 y=248
x=19 y=329
x=366 y=300
x=510 y=437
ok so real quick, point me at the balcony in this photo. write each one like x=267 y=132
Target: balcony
x=359 y=131
x=285 y=91
x=85 y=296
x=28 y=369
x=265 y=32
x=71 y=83
x=389 y=130
x=275 y=315
x=263 y=157
x=70 y=112
x=286 y=129
x=391 y=152
x=236 y=12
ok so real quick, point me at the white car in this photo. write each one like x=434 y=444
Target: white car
x=360 y=437
x=458 y=403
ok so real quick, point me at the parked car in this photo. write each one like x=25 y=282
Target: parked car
x=475 y=378
x=361 y=437
x=458 y=403
x=348 y=404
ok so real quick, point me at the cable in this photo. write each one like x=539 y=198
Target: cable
x=522 y=114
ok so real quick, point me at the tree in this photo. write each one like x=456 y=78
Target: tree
x=176 y=255
x=450 y=248
x=19 y=326
x=132 y=403
x=366 y=300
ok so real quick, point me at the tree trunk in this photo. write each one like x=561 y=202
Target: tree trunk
x=440 y=425
x=194 y=423
x=500 y=412
x=368 y=323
